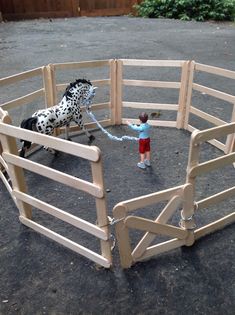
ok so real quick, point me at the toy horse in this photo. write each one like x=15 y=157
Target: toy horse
x=80 y=92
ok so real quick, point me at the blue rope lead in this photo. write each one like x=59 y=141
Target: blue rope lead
x=107 y=133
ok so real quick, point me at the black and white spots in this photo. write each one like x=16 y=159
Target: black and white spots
x=80 y=92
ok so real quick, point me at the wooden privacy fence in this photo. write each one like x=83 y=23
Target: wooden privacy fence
x=181 y=197
x=27 y=9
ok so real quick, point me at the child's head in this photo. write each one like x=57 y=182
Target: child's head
x=143 y=117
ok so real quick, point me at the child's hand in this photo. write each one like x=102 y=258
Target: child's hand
x=128 y=122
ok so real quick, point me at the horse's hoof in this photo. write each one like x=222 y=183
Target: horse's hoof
x=22 y=153
x=91 y=139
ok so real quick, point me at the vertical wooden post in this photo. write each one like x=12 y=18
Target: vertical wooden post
x=189 y=94
x=187 y=213
x=183 y=95
x=50 y=89
x=122 y=235
x=101 y=209
x=118 y=112
x=229 y=146
x=193 y=159
x=113 y=90
x=16 y=173
x=49 y=85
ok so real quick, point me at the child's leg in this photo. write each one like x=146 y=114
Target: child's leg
x=147 y=155
x=142 y=156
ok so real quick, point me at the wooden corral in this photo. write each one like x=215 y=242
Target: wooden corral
x=182 y=196
x=27 y=9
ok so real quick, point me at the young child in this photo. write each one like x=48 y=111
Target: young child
x=144 y=140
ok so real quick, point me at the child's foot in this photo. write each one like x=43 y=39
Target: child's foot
x=141 y=165
x=147 y=163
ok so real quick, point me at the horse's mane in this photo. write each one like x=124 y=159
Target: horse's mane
x=72 y=84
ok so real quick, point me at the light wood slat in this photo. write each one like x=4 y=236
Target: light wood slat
x=147 y=200
x=163 y=217
x=215 y=70
x=62 y=215
x=58 y=176
x=63 y=86
x=90 y=126
x=212 y=165
x=21 y=76
x=8 y=187
x=98 y=106
x=208 y=117
x=23 y=100
x=66 y=242
x=215 y=93
x=154 y=84
x=183 y=92
x=4 y=164
x=152 y=63
x=161 y=248
x=216 y=198
x=215 y=226
x=122 y=235
x=6 y=183
x=90 y=153
x=78 y=65
x=214 y=142
x=156 y=123
x=147 y=225
x=151 y=106
x=211 y=133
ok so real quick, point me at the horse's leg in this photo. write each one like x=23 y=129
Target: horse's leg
x=90 y=136
x=67 y=133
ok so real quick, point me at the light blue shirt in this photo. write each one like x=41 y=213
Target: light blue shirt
x=143 y=129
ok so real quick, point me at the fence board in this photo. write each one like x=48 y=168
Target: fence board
x=58 y=176
x=66 y=242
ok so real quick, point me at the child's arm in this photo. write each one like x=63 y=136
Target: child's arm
x=135 y=127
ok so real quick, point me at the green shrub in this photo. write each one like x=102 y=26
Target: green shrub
x=199 y=10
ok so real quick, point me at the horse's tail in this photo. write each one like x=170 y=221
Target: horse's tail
x=27 y=124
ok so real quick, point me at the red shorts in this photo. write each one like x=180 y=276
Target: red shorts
x=144 y=145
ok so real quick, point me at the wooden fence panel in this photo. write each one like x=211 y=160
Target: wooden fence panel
x=28 y=9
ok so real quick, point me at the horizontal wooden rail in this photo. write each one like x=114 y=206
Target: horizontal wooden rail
x=23 y=99
x=78 y=65
x=214 y=142
x=77 y=149
x=147 y=225
x=216 y=198
x=157 y=123
x=66 y=242
x=21 y=76
x=215 y=70
x=214 y=226
x=161 y=248
x=211 y=165
x=173 y=107
x=89 y=126
x=152 y=63
x=62 y=215
x=212 y=119
x=152 y=84
x=215 y=93
x=104 y=82
x=58 y=176
x=208 y=134
x=150 y=199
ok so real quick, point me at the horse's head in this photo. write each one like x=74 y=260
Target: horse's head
x=81 y=90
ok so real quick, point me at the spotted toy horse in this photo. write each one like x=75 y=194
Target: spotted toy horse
x=80 y=92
